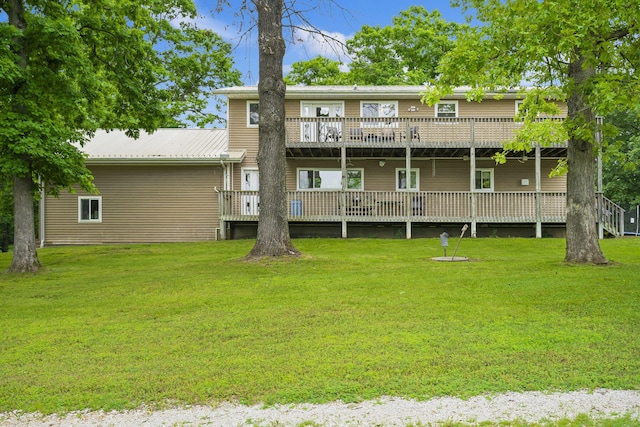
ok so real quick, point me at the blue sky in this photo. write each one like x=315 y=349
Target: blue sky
x=339 y=18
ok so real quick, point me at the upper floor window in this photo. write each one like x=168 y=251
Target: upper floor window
x=90 y=209
x=321 y=109
x=484 y=180
x=447 y=109
x=329 y=179
x=253 y=116
x=378 y=110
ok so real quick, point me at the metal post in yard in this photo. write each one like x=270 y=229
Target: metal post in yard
x=464 y=228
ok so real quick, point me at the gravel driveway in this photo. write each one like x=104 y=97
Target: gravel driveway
x=388 y=411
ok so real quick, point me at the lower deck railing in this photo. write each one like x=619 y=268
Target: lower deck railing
x=421 y=206
x=428 y=206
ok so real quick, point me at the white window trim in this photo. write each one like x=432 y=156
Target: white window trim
x=249 y=124
x=417 y=171
x=519 y=102
x=329 y=170
x=95 y=221
x=491 y=181
x=447 y=102
x=386 y=120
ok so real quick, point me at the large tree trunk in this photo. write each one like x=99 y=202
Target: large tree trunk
x=273 y=227
x=583 y=245
x=25 y=258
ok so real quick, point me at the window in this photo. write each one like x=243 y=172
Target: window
x=321 y=109
x=401 y=179
x=253 y=117
x=90 y=209
x=484 y=180
x=447 y=109
x=329 y=179
x=382 y=109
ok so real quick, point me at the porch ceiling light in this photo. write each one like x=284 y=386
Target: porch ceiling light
x=381 y=163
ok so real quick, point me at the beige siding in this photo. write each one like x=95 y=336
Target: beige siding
x=141 y=204
x=440 y=174
x=241 y=136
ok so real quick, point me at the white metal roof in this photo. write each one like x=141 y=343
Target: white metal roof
x=163 y=145
x=352 y=92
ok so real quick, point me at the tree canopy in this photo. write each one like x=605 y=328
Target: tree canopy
x=621 y=165
x=68 y=68
x=316 y=71
x=403 y=53
x=584 y=53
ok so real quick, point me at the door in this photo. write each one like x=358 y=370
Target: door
x=250 y=182
x=318 y=130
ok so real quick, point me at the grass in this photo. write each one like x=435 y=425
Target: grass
x=112 y=327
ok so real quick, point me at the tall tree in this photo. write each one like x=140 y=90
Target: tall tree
x=273 y=228
x=70 y=67
x=403 y=53
x=406 y=52
x=590 y=50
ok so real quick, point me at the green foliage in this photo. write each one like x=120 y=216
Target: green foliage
x=71 y=68
x=588 y=50
x=6 y=213
x=621 y=166
x=318 y=71
x=116 y=326
x=403 y=53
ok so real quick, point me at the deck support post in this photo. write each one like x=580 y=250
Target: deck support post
x=407 y=189
x=343 y=194
x=538 y=194
x=472 y=184
x=223 y=230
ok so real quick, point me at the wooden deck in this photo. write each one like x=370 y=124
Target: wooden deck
x=422 y=206
x=416 y=131
x=390 y=206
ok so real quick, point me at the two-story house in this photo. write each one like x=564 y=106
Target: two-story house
x=361 y=161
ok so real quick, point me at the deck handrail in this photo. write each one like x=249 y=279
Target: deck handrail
x=415 y=131
x=610 y=215
x=420 y=206
x=427 y=206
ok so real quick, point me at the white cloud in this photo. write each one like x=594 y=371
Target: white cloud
x=312 y=42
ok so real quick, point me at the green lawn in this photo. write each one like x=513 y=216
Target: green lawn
x=114 y=326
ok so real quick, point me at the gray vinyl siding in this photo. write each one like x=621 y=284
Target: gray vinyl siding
x=141 y=204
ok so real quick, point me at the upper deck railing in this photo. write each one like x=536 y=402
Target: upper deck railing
x=378 y=132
